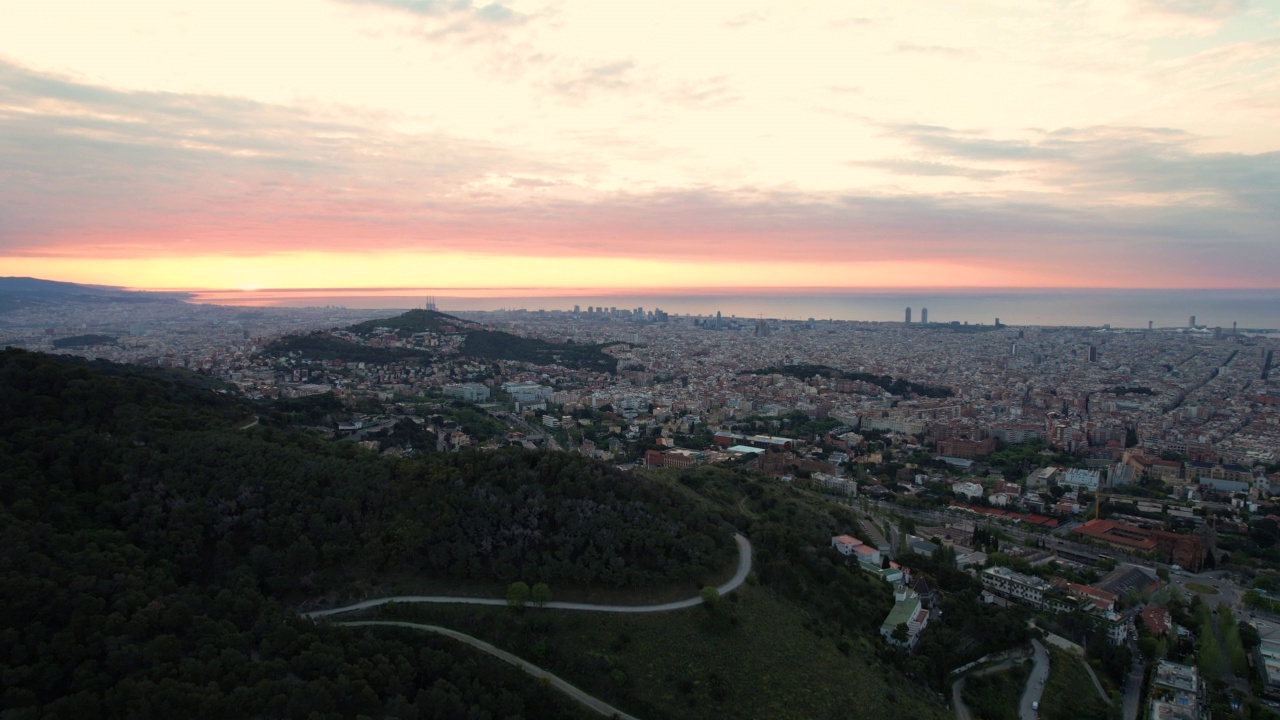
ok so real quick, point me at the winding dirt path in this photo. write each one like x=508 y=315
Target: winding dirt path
x=590 y=701
x=555 y=681
x=744 y=567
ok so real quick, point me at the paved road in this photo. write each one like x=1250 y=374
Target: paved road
x=957 y=700
x=1035 y=681
x=744 y=567
x=957 y=687
x=1228 y=593
x=1133 y=688
x=249 y=424
x=556 y=682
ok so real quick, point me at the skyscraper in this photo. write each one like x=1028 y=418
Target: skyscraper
x=1191 y=321
x=908 y=320
x=924 y=316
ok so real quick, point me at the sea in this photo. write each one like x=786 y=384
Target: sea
x=1244 y=309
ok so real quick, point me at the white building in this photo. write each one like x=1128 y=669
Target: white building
x=527 y=392
x=971 y=490
x=907 y=610
x=471 y=392
x=853 y=547
x=833 y=484
x=1081 y=478
x=1007 y=583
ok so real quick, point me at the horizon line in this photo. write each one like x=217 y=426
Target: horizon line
x=699 y=289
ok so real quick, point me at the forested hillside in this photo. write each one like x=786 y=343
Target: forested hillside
x=154 y=554
x=800 y=640
x=498 y=345
x=478 y=343
x=416 y=321
x=323 y=346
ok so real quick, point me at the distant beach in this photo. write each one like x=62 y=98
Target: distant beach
x=1249 y=309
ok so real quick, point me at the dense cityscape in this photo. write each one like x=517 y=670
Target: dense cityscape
x=1097 y=478
x=558 y=359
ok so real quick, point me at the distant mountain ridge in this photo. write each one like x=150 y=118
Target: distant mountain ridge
x=17 y=292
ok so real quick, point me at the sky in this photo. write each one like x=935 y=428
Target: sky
x=547 y=143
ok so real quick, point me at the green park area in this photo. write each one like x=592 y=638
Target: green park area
x=1201 y=588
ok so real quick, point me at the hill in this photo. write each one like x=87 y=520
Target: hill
x=156 y=554
x=498 y=345
x=416 y=321
x=480 y=342
x=477 y=342
x=16 y=292
x=800 y=640
x=84 y=341
x=324 y=346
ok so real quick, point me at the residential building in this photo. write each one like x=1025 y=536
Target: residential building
x=1081 y=479
x=470 y=392
x=845 y=543
x=1268 y=661
x=1176 y=692
x=967 y=449
x=1120 y=474
x=1157 y=620
x=1007 y=583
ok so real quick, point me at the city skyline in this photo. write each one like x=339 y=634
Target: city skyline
x=412 y=143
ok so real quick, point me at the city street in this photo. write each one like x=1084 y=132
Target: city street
x=1133 y=689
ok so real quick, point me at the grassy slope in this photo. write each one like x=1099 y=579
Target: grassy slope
x=996 y=696
x=777 y=660
x=692 y=664
x=1069 y=694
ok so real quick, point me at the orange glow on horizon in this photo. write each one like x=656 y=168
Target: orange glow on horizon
x=371 y=271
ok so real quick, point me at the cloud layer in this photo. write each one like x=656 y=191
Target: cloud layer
x=519 y=130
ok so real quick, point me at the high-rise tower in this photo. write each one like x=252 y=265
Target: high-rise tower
x=908 y=320
x=924 y=316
